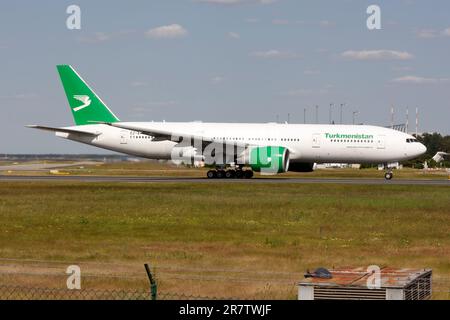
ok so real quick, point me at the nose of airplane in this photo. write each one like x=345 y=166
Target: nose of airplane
x=421 y=148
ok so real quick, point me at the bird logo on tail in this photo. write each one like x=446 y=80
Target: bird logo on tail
x=84 y=99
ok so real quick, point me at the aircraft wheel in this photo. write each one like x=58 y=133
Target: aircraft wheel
x=388 y=175
x=239 y=174
x=211 y=174
x=220 y=174
x=230 y=174
x=248 y=174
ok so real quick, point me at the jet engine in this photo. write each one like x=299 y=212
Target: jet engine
x=270 y=160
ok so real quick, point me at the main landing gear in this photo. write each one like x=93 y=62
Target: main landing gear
x=229 y=174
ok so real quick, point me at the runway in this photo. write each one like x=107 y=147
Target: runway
x=115 y=179
x=45 y=166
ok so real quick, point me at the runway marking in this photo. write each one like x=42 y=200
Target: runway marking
x=355 y=181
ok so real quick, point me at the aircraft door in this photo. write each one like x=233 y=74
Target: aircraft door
x=316 y=140
x=381 y=142
x=123 y=136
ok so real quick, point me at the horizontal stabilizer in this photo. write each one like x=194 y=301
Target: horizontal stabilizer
x=65 y=130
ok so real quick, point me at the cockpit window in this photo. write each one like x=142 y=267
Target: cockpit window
x=411 y=140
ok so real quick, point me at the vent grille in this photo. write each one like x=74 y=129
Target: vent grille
x=419 y=289
x=348 y=293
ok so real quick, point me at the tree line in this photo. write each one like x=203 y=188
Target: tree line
x=434 y=142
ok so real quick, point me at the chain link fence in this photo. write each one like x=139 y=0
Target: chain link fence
x=9 y=292
x=46 y=280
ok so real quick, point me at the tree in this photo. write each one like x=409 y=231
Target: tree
x=434 y=142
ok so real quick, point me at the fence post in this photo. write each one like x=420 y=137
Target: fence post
x=153 y=285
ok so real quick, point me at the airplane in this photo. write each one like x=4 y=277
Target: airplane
x=233 y=150
x=441 y=156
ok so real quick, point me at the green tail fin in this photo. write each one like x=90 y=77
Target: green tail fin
x=86 y=106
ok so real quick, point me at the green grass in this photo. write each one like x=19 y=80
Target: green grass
x=254 y=228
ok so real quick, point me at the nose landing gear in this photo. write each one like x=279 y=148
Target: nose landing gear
x=388 y=175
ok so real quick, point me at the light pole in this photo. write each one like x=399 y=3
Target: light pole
x=354 y=116
x=407 y=120
x=342 y=106
x=417 y=121
x=304 y=115
x=331 y=113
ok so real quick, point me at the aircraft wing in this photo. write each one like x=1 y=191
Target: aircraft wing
x=158 y=134
x=161 y=135
x=65 y=130
x=440 y=156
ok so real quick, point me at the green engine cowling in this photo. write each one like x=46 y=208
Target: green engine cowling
x=270 y=160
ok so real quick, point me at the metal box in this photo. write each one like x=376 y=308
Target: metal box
x=352 y=284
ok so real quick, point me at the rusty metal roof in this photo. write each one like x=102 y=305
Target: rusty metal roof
x=357 y=277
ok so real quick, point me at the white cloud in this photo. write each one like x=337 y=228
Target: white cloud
x=234 y=35
x=275 y=54
x=418 y=80
x=427 y=33
x=167 y=32
x=432 y=33
x=377 y=55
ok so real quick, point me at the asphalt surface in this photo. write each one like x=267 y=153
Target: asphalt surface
x=352 y=181
x=43 y=166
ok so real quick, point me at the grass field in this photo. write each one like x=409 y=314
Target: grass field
x=233 y=240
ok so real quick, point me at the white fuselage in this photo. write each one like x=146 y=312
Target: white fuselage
x=305 y=142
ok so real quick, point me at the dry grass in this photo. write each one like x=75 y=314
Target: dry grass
x=238 y=240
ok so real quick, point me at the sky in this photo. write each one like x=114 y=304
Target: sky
x=223 y=61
